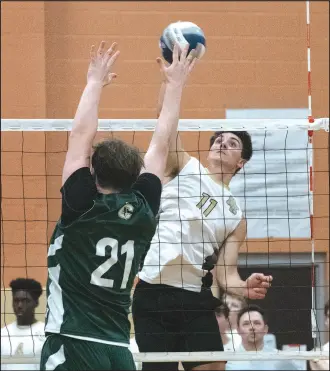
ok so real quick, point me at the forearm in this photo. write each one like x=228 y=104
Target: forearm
x=232 y=283
x=175 y=141
x=167 y=124
x=86 y=119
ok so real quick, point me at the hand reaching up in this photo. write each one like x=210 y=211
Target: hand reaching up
x=178 y=72
x=102 y=61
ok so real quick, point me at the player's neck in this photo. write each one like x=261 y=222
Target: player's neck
x=222 y=177
x=26 y=321
x=105 y=191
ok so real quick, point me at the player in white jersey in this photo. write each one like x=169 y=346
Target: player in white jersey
x=200 y=231
x=25 y=336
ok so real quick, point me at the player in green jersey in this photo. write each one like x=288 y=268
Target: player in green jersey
x=109 y=204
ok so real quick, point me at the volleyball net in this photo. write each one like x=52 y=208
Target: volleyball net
x=283 y=192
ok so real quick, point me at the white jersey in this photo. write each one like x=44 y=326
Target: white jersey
x=19 y=341
x=196 y=216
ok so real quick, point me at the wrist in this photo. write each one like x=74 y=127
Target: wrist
x=174 y=85
x=95 y=83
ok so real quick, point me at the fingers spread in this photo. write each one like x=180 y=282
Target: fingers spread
x=184 y=53
x=192 y=64
x=92 y=53
x=176 y=53
x=101 y=48
x=112 y=48
x=190 y=58
x=160 y=63
x=113 y=58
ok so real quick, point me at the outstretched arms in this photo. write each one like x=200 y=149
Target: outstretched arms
x=177 y=157
x=175 y=78
x=86 y=119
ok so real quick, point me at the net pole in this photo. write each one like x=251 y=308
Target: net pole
x=311 y=180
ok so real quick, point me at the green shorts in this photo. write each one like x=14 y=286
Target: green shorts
x=64 y=353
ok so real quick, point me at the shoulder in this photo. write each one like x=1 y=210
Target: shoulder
x=191 y=167
x=7 y=329
x=193 y=164
x=39 y=325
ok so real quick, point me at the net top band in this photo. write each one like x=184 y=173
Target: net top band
x=184 y=125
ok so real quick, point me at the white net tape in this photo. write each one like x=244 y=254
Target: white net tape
x=184 y=125
x=202 y=356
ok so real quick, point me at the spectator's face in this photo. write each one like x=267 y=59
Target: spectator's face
x=252 y=328
x=327 y=320
x=23 y=306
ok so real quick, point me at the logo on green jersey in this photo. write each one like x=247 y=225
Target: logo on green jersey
x=126 y=212
x=233 y=208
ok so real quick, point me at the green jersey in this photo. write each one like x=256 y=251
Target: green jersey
x=92 y=263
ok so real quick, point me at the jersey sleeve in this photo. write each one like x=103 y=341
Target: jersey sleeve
x=78 y=193
x=151 y=188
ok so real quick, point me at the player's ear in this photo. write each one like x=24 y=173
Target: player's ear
x=241 y=163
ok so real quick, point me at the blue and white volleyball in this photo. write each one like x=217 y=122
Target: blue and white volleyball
x=182 y=33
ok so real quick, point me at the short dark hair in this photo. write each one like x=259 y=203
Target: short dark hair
x=251 y=308
x=222 y=309
x=116 y=164
x=326 y=308
x=30 y=285
x=244 y=136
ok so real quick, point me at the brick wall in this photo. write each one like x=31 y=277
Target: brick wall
x=256 y=58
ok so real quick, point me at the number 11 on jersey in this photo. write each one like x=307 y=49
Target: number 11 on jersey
x=202 y=202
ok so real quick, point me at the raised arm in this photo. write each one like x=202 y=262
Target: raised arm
x=86 y=119
x=177 y=157
x=256 y=286
x=166 y=128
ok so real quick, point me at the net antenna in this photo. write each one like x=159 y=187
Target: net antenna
x=314 y=324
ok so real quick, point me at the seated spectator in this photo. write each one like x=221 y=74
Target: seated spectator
x=323 y=364
x=222 y=315
x=25 y=336
x=252 y=326
x=326 y=315
x=235 y=304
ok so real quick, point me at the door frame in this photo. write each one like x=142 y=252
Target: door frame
x=248 y=260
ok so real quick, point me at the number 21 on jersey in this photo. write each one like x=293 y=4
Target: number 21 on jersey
x=127 y=248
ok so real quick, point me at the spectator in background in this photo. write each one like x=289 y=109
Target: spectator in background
x=323 y=364
x=252 y=326
x=326 y=315
x=25 y=336
x=222 y=316
x=235 y=305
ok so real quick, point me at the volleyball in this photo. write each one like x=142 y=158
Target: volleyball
x=182 y=33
